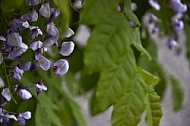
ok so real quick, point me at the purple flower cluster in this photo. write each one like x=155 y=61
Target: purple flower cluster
x=12 y=48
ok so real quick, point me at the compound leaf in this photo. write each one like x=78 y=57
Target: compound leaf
x=129 y=108
x=114 y=82
x=153 y=109
x=109 y=40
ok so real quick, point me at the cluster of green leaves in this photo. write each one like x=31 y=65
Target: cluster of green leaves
x=109 y=52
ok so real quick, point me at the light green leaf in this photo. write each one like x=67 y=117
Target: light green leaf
x=153 y=108
x=96 y=10
x=109 y=41
x=114 y=82
x=137 y=43
x=148 y=77
x=177 y=93
x=129 y=108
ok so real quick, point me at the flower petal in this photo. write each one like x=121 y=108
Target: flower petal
x=24 y=94
x=61 y=67
x=6 y=94
x=36 y=45
x=14 y=39
x=43 y=62
x=45 y=10
x=66 y=48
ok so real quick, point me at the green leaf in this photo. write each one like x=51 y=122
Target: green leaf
x=48 y=107
x=76 y=111
x=113 y=83
x=109 y=40
x=138 y=45
x=153 y=108
x=129 y=13
x=129 y=108
x=148 y=77
x=64 y=6
x=177 y=93
x=94 y=11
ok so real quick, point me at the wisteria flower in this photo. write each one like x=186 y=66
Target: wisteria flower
x=40 y=87
x=32 y=15
x=154 y=4
x=45 y=10
x=18 y=24
x=32 y=2
x=49 y=41
x=17 y=73
x=60 y=67
x=35 y=31
x=24 y=94
x=4 y=117
x=177 y=6
x=6 y=94
x=25 y=66
x=22 y=117
x=69 y=33
x=14 y=39
x=54 y=13
x=66 y=48
x=52 y=30
x=171 y=43
x=43 y=62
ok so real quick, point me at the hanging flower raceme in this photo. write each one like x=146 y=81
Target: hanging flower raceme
x=152 y=24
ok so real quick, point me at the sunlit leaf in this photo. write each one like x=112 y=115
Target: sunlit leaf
x=148 y=77
x=129 y=108
x=113 y=83
x=109 y=40
x=137 y=43
x=153 y=109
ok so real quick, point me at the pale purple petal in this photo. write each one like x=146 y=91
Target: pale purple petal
x=25 y=115
x=69 y=33
x=6 y=94
x=25 y=66
x=133 y=6
x=2 y=38
x=36 y=45
x=14 y=39
x=41 y=86
x=66 y=48
x=43 y=62
x=45 y=10
x=54 y=13
x=177 y=6
x=61 y=67
x=24 y=94
x=50 y=41
x=154 y=4
x=52 y=30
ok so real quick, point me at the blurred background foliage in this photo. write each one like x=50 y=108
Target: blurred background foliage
x=110 y=65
